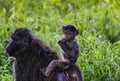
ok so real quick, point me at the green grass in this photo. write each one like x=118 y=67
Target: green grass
x=99 y=39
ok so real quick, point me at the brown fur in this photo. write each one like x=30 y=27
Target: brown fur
x=31 y=54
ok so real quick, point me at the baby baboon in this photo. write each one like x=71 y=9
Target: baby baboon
x=70 y=49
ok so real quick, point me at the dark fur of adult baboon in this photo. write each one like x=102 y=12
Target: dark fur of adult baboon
x=31 y=54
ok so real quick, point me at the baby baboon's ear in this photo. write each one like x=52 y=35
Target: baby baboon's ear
x=63 y=27
x=77 y=31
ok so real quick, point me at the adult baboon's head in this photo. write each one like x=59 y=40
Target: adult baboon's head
x=19 y=41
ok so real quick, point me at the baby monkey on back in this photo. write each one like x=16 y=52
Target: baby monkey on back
x=70 y=48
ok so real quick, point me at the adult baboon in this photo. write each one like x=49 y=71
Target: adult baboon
x=31 y=54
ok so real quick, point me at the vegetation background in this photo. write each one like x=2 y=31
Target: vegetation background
x=98 y=21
